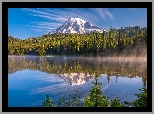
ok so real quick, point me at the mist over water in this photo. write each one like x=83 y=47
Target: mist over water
x=138 y=54
x=32 y=77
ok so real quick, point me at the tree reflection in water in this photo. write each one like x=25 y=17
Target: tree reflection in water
x=78 y=70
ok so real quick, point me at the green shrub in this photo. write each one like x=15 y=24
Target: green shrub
x=142 y=98
x=116 y=103
x=48 y=102
x=96 y=99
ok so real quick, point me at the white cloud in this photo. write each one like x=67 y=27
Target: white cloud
x=43 y=26
x=103 y=13
x=107 y=86
x=109 y=14
x=40 y=30
x=58 y=16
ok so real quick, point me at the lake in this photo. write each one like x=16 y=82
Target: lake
x=31 y=78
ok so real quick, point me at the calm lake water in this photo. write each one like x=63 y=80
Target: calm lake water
x=31 y=78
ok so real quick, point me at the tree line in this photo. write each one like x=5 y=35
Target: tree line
x=112 y=42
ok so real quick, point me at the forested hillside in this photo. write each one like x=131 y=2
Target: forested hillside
x=113 y=42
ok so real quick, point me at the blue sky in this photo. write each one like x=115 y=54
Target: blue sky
x=33 y=22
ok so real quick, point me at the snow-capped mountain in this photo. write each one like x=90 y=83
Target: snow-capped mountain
x=75 y=78
x=77 y=25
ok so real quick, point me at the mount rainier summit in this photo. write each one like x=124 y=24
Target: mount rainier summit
x=77 y=25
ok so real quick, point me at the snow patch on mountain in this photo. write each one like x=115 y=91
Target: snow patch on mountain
x=76 y=25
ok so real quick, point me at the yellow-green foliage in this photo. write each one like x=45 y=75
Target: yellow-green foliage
x=77 y=44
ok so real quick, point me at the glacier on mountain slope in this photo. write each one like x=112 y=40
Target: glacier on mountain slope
x=76 y=25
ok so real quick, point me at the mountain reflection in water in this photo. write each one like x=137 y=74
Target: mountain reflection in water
x=31 y=78
x=79 y=70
